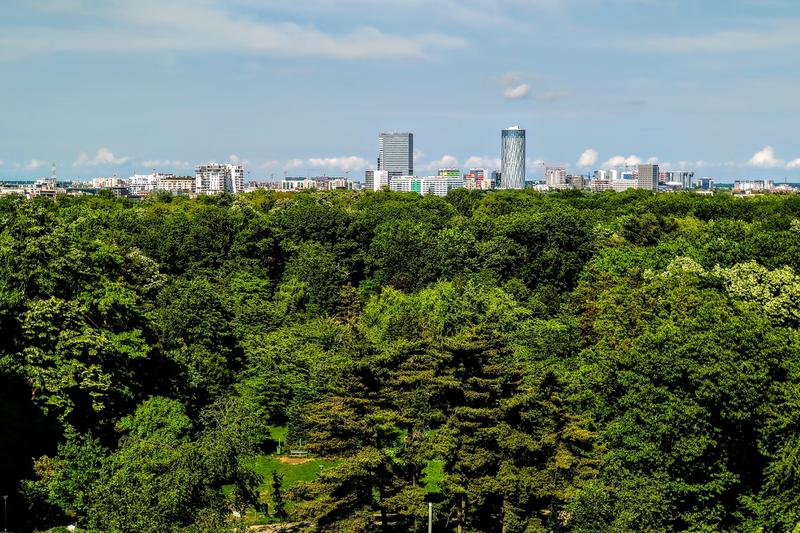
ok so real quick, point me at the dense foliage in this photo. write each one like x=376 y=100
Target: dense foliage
x=564 y=362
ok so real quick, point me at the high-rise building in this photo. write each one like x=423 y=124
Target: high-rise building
x=680 y=176
x=705 y=183
x=512 y=158
x=555 y=177
x=375 y=180
x=396 y=153
x=648 y=177
x=216 y=178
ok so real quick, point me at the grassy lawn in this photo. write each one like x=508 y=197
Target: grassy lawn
x=292 y=475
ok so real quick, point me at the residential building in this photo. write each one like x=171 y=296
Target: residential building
x=176 y=184
x=375 y=180
x=648 y=177
x=555 y=177
x=753 y=186
x=407 y=184
x=216 y=178
x=624 y=185
x=109 y=183
x=478 y=178
x=436 y=185
x=143 y=184
x=512 y=158
x=577 y=182
x=600 y=185
x=396 y=153
x=298 y=184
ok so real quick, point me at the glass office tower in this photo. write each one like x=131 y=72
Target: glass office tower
x=512 y=158
x=396 y=154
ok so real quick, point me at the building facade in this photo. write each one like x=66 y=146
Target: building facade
x=375 y=180
x=396 y=153
x=176 y=185
x=683 y=177
x=478 y=178
x=436 y=185
x=449 y=172
x=648 y=177
x=555 y=177
x=512 y=158
x=216 y=178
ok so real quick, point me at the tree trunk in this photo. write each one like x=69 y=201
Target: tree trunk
x=462 y=511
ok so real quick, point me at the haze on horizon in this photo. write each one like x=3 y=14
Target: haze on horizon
x=119 y=87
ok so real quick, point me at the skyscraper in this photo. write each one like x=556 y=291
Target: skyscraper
x=512 y=158
x=648 y=177
x=396 y=154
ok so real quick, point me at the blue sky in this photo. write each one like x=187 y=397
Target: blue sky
x=113 y=86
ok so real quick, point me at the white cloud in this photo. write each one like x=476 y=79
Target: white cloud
x=33 y=164
x=207 y=26
x=652 y=161
x=2 y=162
x=236 y=160
x=171 y=163
x=104 y=156
x=588 y=158
x=517 y=92
x=794 y=163
x=769 y=36
x=621 y=161
x=447 y=161
x=765 y=158
x=476 y=161
x=322 y=164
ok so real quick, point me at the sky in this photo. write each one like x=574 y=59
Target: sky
x=103 y=87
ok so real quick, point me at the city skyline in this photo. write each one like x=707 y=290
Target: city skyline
x=709 y=87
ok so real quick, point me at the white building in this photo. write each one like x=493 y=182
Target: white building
x=143 y=184
x=216 y=178
x=436 y=185
x=555 y=177
x=749 y=186
x=109 y=183
x=298 y=184
x=375 y=180
x=624 y=185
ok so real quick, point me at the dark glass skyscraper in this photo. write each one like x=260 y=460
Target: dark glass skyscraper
x=396 y=153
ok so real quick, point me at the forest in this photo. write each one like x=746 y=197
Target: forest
x=524 y=362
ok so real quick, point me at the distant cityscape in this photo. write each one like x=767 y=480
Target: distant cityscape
x=395 y=171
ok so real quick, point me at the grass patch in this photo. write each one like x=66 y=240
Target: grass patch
x=292 y=475
x=432 y=476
